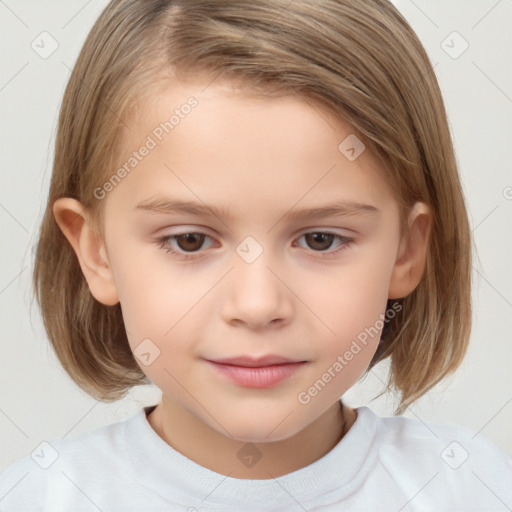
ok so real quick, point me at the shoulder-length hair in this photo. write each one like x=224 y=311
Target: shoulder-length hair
x=360 y=59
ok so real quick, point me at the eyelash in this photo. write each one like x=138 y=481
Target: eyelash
x=163 y=240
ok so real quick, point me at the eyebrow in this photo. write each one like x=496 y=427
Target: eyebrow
x=337 y=209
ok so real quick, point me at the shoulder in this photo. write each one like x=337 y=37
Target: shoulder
x=445 y=462
x=34 y=481
x=452 y=444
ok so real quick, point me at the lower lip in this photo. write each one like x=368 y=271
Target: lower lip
x=260 y=377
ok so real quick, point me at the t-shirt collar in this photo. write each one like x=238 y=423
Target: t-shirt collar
x=181 y=480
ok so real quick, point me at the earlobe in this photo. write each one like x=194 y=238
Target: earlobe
x=412 y=254
x=74 y=221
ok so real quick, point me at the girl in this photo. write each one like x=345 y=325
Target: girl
x=252 y=204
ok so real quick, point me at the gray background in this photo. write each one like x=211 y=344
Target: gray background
x=39 y=402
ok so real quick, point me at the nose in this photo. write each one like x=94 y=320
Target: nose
x=256 y=296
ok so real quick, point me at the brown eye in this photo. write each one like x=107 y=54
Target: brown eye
x=183 y=245
x=189 y=242
x=320 y=241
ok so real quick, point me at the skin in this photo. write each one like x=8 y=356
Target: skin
x=260 y=158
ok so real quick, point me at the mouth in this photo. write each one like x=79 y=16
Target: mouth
x=257 y=362
x=263 y=372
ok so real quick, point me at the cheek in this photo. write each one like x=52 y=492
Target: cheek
x=349 y=310
x=154 y=293
x=157 y=318
x=159 y=310
x=163 y=305
x=350 y=298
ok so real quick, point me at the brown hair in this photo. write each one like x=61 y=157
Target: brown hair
x=360 y=59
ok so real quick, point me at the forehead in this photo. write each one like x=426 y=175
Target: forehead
x=230 y=106
x=214 y=139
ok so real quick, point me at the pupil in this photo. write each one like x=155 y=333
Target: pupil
x=321 y=238
x=190 y=238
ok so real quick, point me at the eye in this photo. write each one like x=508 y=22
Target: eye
x=186 y=242
x=186 y=245
x=320 y=241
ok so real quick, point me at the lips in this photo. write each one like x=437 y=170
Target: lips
x=256 y=362
x=263 y=372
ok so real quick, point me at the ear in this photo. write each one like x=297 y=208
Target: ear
x=74 y=220
x=412 y=253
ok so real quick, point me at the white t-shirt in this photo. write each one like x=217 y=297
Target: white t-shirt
x=393 y=464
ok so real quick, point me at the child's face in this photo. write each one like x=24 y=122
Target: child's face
x=260 y=160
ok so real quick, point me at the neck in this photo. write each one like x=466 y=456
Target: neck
x=211 y=449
